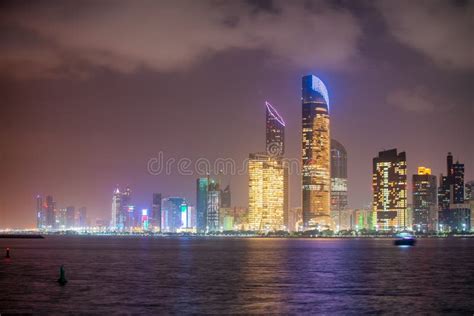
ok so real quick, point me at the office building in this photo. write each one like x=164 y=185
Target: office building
x=171 y=212
x=424 y=200
x=338 y=181
x=389 y=187
x=316 y=157
x=201 y=204
x=155 y=216
x=451 y=188
x=40 y=213
x=50 y=210
x=213 y=206
x=82 y=217
x=266 y=193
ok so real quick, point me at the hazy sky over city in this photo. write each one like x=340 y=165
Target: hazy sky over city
x=91 y=90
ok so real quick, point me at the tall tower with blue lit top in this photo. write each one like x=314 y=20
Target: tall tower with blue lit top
x=316 y=154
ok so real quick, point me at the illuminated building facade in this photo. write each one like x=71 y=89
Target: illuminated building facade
x=389 y=186
x=122 y=210
x=116 y=210
x=469 y=191
x=424 y=200
x=338 y=181
x=172 y=217
x=155 y=216
x=201 y=204
x=127 y=210
x=145 y=220
x=275 y=132
x=266 y=193
x=213 y=206
x=316 y=158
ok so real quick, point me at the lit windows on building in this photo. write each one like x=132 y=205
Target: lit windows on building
x=316 y=158
x=266 y=193
x=389 y=186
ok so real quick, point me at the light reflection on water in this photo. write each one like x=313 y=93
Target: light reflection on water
x=230 y=275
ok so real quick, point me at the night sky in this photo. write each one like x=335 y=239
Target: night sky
x=91 y=90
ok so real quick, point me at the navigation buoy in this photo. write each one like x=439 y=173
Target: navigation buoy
x=7 y=255
x=62 y=276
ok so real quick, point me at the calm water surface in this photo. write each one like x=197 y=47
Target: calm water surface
x=136 y=275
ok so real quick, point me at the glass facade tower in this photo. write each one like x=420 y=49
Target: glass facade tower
x=338 y=181
x=316 y=158
x=275 y=132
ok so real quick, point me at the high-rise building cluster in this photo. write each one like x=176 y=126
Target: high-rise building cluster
x=50 y=217
x=324 y=190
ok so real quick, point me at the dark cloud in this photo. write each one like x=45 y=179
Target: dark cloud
x=440 y=29
x=172 y=35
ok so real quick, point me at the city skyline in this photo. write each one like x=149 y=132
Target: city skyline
x=75 y=127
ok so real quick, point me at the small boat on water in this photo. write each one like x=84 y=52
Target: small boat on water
x=405 y=239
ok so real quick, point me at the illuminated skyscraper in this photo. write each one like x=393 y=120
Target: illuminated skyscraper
x=275 y=132
x=266 y=193
x=201 y=204
x=389 y=186
x=172 y=218
x=155 y=216
x=338 y=180
x=316 y=161
x=424 y=200
x=213 y=205
x=127 y=212
x=116 y=222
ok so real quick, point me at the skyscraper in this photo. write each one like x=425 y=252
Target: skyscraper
x=172 y=219
x=451 y=189
x=424 y=200
x=226 y=197
x=213 y=205
x=266 y=193
x=469 y=191
x=127 y=210
x=116 y=222
x=201 y=204
x=389 y=186
x=316 y=161
x=338 y=180
x=70 y=216
x=82 y=217
x=40 y=213
x=155 y=215
x=275 y=132
x=50 y=212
